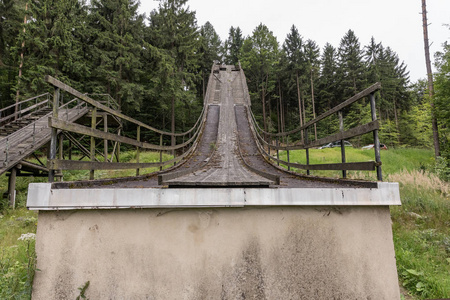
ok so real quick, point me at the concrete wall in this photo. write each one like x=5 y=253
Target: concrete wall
x=220 y=253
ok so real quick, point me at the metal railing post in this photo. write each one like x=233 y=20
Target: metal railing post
x=341 y=128
x=376 y=140
x=53 y=138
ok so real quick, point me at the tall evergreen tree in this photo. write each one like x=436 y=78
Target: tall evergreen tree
x=117 y=31
x=11 y=20
x=352 y=74
x=51 y=44
x=260 y=55
x=173 y=28
x=328 y=78
x=233 y=46
x=296 y=62
x=312 y=53
x=210 y=48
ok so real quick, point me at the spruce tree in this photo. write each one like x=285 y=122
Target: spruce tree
x=117 y=43
x=173 y=28
x=210 y=48
x=312 y=53
x=260 y=55
x=11 y=20
x=293 y=48
x=233 y=46
x=51 y=45
x=352 y=75
x=328 y=78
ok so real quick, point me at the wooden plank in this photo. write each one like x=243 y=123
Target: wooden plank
x=23 y=111
x=80 y=129
x=21 y=102
x=335 y=109
x=90 y=165
x=352 y=166
x=362 y=129
x=118 y=114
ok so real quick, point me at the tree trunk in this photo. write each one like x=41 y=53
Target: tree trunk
x=313 y=105
x=430 y=80
x=299 y=104
x=16 y=108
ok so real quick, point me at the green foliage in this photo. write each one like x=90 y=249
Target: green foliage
x=82 y=290
x=259 y=59
x=233 y=46
x=17 y=253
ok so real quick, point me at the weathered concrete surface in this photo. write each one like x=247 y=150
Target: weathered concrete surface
x=326 y=252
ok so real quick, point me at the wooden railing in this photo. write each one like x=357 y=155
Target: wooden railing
x=22 y=108
x=58 y=124
x=265 y=139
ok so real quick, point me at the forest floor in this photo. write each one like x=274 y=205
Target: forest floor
x=421 y=226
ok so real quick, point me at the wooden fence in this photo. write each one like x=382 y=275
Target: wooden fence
x=271 y=141
x=58 y=125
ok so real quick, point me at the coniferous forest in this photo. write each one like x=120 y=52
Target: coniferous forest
x=156 y=67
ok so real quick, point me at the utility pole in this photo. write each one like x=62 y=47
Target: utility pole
x=430 y=79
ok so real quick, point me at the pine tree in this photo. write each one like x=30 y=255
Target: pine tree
x=260 y=55
x=352 y=76
x=233 y=46
x=210 y=48
x=312 y=54
x=173 y=28
x=51 y=45
x=117 y=31
x=328 y=78
x=11 y=20
x=293 y=48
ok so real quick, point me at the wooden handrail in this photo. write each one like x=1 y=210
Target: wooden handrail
x=92 y=102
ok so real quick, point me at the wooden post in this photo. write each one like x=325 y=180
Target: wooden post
x=105 y=141
x=376 y=140
x=160 y=151
x=70 y=150
x=137 y=148
x=92 y=154
x=341 y=128
x=278 y=152
x=61 y=153
x=270 y=144
x=53 y=138
x=12 y=187
x=307 y=151
x=118 y=148
x=287 y=152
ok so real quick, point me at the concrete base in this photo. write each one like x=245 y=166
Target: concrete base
x=272 y=252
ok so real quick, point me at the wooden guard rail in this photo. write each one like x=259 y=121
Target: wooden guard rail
x=59 y=125
x=264 y=139
x=39 y=102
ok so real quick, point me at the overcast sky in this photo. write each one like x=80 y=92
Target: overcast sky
x=395 y=23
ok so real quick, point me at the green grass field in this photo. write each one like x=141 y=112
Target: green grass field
x=421 y=226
